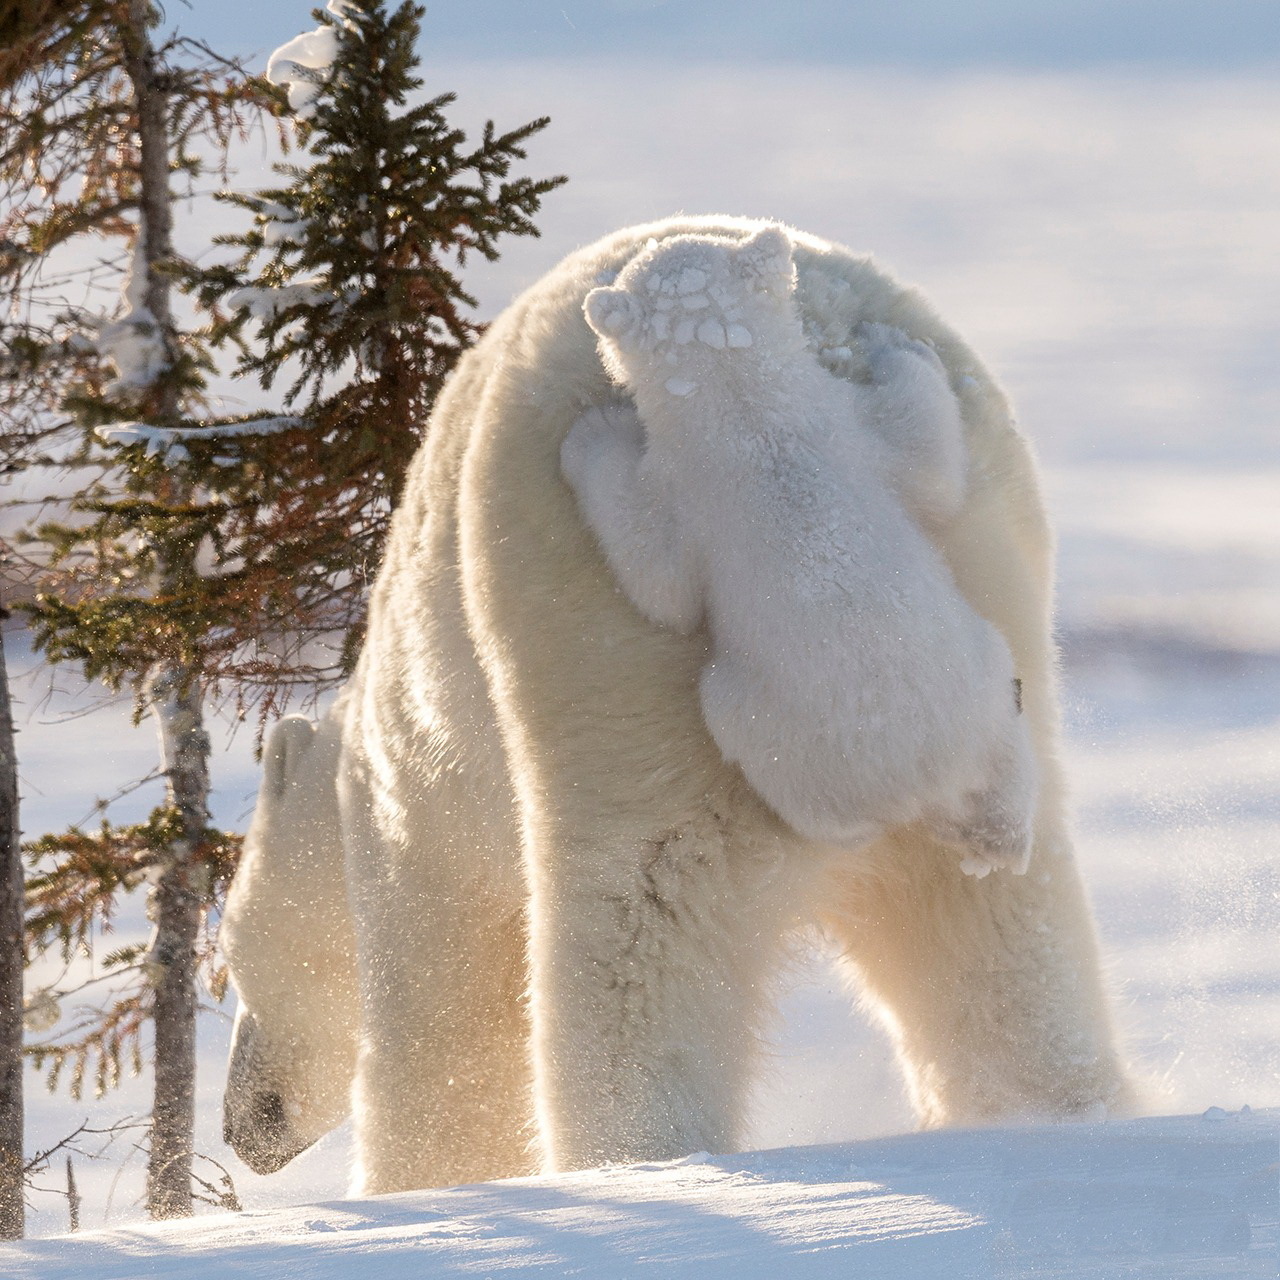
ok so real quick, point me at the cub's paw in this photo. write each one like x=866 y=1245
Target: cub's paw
x=690 y=292
x=979 y=859
x=891 y=351
x=606 y=432
x=990 y=837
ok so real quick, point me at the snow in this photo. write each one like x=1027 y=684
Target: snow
x=264 y=303
x=167 y=441
x=1108 y=244
x=281 y=225
x=303 y=63
x=1189 y=1197
x=132 y=341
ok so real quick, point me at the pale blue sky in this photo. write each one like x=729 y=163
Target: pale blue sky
x=1066 y=34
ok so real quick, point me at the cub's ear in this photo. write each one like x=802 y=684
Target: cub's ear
x=767 y=256
x=289 y=741
x=615 y=314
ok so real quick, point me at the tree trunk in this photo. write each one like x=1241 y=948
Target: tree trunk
x=73 y=1198
x=155 y=199
x=175 y=698
x=12 y=964
x=177 y=899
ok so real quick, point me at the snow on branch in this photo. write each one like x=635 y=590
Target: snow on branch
x=133 y=341
x=281 y=225
x=168 y=441
x=303 y=63
x=265 y=303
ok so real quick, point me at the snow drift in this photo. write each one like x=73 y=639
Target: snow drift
x=1179 y=1199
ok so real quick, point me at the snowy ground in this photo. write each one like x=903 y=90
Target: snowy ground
x=1109 y=244
x=1179 y=1199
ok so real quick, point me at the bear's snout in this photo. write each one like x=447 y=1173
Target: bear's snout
x=258 y=1131
x=255 y=1121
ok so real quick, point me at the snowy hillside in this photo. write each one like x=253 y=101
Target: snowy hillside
x=1182 y=1199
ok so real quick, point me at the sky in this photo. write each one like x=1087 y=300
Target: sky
x=1039 y=34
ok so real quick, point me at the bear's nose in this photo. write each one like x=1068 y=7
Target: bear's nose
x=257 y=1129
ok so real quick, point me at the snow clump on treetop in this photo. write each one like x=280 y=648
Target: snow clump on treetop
x=303 y=63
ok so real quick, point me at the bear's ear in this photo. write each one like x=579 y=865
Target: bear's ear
x=767 y=257
x=288 y=742
x=614 y=314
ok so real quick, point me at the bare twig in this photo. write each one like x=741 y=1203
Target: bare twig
x=73 y=1197
x=39 y=1162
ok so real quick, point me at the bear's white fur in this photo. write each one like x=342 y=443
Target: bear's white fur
x=286 y=933
x=752 y=490
x=569 y=910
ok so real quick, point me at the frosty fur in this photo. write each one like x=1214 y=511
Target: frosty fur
x=286 y=932
x=569 y=910
x=761 y=495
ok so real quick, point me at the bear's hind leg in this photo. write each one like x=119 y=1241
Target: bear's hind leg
x=990 y=988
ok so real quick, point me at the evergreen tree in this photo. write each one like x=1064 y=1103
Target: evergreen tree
x=347 y=286
x=12 y=963
x=103 y=126
x=29 y=34
x=222 y=554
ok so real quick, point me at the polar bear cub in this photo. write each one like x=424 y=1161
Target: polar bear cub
x=785 y=509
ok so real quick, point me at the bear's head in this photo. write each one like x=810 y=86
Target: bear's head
x=692 y=301
x=289 y=944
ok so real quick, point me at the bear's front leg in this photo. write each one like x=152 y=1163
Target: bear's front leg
x=442 y=1089
x=602 y=459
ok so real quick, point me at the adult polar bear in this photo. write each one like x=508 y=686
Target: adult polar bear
x=532 y=804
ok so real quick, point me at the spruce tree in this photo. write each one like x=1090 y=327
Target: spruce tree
x=346 y=290
x=29 y=35
x=104 y=131
x=210 y=555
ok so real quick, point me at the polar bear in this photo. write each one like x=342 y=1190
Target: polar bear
x=750 y=490
x=568 y=908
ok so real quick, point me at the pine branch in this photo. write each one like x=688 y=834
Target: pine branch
x=76 y=878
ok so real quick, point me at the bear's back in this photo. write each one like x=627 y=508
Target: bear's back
x=494 y=596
